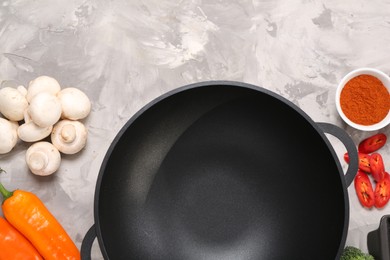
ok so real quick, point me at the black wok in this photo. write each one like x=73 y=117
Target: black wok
x=222 y=170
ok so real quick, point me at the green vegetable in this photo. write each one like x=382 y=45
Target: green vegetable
x=353 y=253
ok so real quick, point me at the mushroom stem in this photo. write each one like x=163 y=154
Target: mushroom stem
x=38 y=160
x=68 y=133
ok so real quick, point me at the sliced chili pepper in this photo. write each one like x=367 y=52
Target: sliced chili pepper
x=13 y=245
x=26 y=212
x=364 y=189
x=377 y=167
x=382 y=192
x=364 y=162
x=346 y=157
x=372 y=143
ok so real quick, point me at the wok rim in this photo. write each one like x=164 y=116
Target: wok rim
x=187 y=87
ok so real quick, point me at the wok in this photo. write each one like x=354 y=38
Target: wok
x=222 y=170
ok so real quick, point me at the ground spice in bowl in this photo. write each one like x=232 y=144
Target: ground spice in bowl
x=365 y=100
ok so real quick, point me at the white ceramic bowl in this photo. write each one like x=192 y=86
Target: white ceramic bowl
x=369 y=71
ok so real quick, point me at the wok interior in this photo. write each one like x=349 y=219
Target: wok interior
x=220 y=172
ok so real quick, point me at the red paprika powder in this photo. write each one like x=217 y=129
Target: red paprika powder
x=365 y=100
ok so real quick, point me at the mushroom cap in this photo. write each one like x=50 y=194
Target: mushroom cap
x=69 y=136
x=12 y=103
x=42 y=84
x=45 y=109
x=22 y=90
x=31 y=132
x=75 y=103
x=8 y=135
x=43 y=158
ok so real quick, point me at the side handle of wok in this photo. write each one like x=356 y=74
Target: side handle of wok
x=86 y=245
x=349 y=145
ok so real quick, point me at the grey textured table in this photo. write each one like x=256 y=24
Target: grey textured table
x=124 y=54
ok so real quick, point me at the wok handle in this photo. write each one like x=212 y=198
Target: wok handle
x=349 y=144
x=86 y=245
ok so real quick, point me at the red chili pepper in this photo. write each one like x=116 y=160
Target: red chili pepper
x=346 y=157
x=372 y=143
x=13 y=245
x=382 y=192
x=364 y=189
x=364 y=162
x=377 y=167
x=363 y=159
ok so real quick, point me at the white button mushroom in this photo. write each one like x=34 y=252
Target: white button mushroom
x=12 y=103
x=42 y=84
x=30 y=132
x=43 y=158
x=69 y=136
x=8 y=135
x=45 y=109
x=22 y=90
x=75 y=103
x=27 y=117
